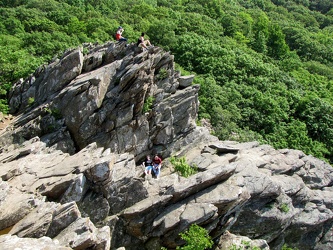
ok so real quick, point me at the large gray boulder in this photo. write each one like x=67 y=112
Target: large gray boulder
x=82 y=234
x=36 y=223
x=230 y=241
x=14 y=204
x=12 y=242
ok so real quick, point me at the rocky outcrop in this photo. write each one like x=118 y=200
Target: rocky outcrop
x=71 y=173
x=250 y=190
x=100 y=97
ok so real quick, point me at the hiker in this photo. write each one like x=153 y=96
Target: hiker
x=157 y=164
x=119 y=36
x=148 y=164
x=142 y=42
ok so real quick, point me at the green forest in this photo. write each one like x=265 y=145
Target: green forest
x=265 y=67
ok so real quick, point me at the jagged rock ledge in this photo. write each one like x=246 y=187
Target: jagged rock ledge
x=100 y=97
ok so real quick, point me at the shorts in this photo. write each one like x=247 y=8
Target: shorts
x=149 y=168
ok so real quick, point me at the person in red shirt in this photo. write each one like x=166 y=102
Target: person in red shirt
x=119 y=35
x=157 y=164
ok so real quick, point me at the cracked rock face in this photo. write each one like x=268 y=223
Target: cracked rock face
x=100 y=97
x=71 y=173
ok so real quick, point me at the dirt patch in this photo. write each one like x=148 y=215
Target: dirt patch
x=6 y=230
x=5 y=121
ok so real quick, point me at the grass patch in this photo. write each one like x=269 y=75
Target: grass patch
x=31 y=101
x=56 y=113
x=147 y=106
x=286 y=247
x=284 y=208
x=162 y=74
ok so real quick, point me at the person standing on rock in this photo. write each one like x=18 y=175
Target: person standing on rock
x=157 y=164
x=142 y=42
x=119 y=35
x=148 y=164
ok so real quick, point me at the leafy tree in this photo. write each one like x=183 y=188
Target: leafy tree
x=308 y=46
x=318 y=117
x=15 y=62
x=260 y=30
x=261 y=23
x=277 y=47
x=75 y=26
x=75 y=2
x=230 y=26
x=12 y=3
x=59 y=16
x=12 y=26
x=321 y=5
x=290 y=62
x=315 y=67
x=246 y=22
x=259 y=42
x=163 y=33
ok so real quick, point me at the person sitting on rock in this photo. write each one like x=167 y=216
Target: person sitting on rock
x=142 y=42
x=119 y=35
x=157 y=164
x=148 y=164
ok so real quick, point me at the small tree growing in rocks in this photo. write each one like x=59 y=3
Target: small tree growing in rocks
x=196 y=237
